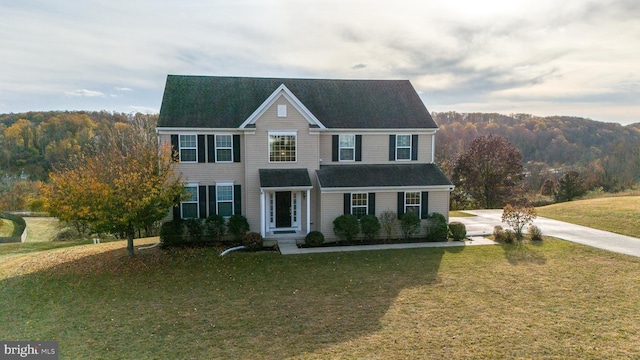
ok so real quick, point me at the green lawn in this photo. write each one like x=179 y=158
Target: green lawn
x=554 y=300
x=617 y=214
x=6 y=230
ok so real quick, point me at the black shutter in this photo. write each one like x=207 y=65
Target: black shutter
x=392 y=148
x=236 y=148
x=175 y=153
x=358 y=147
x=211 y=149
x=335 y=139
x=372 y=204
x=202 y=201
x=347 y=203
x=424 y=205
x=400 y=204
x=414 y=147
x=237 y=200
x=212 y=200
x=202 y=151
x=176 y=209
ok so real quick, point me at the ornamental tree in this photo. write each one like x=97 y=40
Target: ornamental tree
x=119 y=189
x=518 y=218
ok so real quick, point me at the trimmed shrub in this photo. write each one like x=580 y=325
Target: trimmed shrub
x=409 y=224
x=369 y=226
x=194 y=229
x=346 y=227
x=535 y=233
x=510 y=236
x=172 y=233
x=314 y=238
x=436 y=228
x=238 y=226
x=214 y=227
x=388 y=222
x=252 y=241
x=498 y=234
x=458 y=230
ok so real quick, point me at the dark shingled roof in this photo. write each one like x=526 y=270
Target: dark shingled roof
x=226 y=102
x=382 y=175
x=270 y=178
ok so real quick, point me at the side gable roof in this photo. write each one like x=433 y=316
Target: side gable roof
x=227 y=102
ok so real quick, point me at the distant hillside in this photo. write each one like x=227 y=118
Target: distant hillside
x=608 y=154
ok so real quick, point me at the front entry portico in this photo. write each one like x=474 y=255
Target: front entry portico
x=285 y=201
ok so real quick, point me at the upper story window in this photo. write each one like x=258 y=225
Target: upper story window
x=224 y=148
x=282 y=147
x=189 y=206
x=188 y=148
x=347 y=148
x=403 y=147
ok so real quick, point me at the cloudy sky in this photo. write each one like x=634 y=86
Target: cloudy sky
x=543 y=57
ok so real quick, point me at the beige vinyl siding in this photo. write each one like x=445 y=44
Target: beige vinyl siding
x=375 y=147
x=256 y=150
x=439 y=202
x=332 y=207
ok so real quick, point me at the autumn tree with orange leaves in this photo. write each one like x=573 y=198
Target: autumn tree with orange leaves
x=123 y=185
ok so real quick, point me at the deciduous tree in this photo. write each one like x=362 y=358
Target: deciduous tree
x=489 y=170
x=119 y=188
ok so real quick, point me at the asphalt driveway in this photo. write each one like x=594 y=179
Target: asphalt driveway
x=485 y=220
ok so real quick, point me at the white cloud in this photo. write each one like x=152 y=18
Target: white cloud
x=84 y=93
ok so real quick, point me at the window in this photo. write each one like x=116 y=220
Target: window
x=224 y=148
x=188 y=148
x=224 y=199
x=403 y=147
x=282 y=147
x=189 y=207
x=347 y=147
x=359 y=204
x=412 y=202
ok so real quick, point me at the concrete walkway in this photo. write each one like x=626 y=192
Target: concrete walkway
x=288 y=247
x=485 y=220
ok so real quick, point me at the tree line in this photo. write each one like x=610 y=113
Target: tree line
x=606 y=155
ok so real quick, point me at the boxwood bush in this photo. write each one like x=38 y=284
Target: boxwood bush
x=369 y=226
x=314 y=238
x=346 y=227
x=457 y=230
x=436 y=228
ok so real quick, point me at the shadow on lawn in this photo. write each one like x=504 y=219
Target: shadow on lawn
x=521 y=253
x=190 y=301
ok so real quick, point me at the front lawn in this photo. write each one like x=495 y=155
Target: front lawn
x=553 y=300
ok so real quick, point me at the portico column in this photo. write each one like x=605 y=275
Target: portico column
x=263 y=229
x=308 y=211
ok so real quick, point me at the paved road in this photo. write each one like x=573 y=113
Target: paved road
x=485 y=220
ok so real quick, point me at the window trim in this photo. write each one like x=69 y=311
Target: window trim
x=196 y=201
x=194 y=148
x=419 y=205
x=282 y=133
x=230 y=148
x=410 y=147
x=340 y=148
x=232 y=201
x=365 y=206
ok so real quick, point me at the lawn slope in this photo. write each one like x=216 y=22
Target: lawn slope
x=616 y=214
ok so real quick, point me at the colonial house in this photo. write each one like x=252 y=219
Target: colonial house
x=291 y=155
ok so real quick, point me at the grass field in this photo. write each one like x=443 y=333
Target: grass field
x=616 y=214
x=555 y=300
x=6 y=230
x=41 y=228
